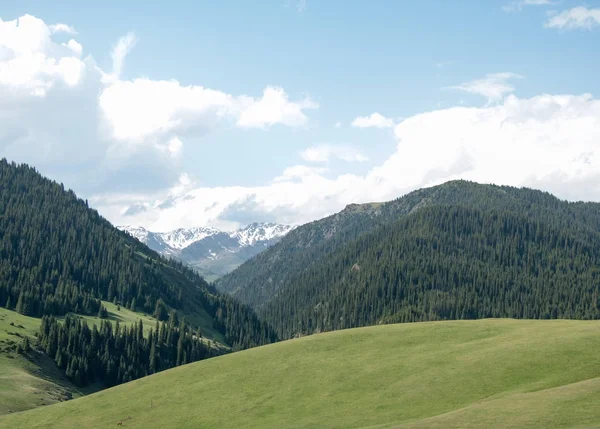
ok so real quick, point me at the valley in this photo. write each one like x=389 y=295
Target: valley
x=300 y=214
x=141 y=339
x=213 y=253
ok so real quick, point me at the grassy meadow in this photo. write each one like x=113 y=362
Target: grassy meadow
x=460 y=374
x=34 y=380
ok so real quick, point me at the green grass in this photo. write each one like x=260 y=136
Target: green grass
x=465 y=374
x=32 y=381
x=124 y=316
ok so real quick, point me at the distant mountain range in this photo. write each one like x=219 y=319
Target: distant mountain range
x=212 y=252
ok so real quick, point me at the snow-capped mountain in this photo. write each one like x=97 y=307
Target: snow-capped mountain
x=260 y=232
x=213 y=252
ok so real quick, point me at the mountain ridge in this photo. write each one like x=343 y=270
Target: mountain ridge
x=209 y=250
x=352 y=268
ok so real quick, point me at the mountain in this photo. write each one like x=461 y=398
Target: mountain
x=212 y=252
x=455 y=251
x=460 y=374
x=59 y=256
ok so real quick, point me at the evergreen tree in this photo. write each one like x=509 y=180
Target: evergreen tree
x=113 y=356
x=20 y=307
x=58 y=256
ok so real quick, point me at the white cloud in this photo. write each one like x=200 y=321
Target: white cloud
x=61 y=28
x=493 y=86
x=324 y=152
x=142 y=109
x=119 y=51
x=172 y=147
x=139 y=109
x=375 y=120
x=518 y=5
x=550 y=142
x=575 y=18
x=122 y=140
x=300 y=172
x=273 y=108
x=99 y=132
x=31 y=62
x=74 y=46
x=338 y=125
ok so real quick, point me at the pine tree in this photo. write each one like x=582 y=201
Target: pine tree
x=20 y=307
x=153 y=366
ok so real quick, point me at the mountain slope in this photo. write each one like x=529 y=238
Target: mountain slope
x=378 y=263
x=445 y=262
x=57 y=255
x=460 y=374
x=212 y=252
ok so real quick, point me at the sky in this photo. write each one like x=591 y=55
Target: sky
x=222 y=113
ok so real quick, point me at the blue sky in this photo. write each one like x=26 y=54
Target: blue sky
x=332 y=62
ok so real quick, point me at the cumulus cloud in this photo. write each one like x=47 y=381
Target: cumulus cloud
x=142 y=110
x=493 y=86
x=121 y=140
x=98 y=131
x=273 y=108
x=576 y=18
x=74 y=46
x=550 y=142
x=61 y=28
x=324 y=152
x=139 y=109
x=31 y=63
x=374 y=120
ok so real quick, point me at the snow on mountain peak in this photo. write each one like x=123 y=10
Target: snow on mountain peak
x=137 y=232
x=214 y=250
x=256 y=232
x=183 y=237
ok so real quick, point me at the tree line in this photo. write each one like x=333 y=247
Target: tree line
x=113 y=355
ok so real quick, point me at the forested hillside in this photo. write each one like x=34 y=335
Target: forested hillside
x=457 y=251
x=58 y=256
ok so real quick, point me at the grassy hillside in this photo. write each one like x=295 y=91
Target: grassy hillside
x=497 y=373
x=32 y=381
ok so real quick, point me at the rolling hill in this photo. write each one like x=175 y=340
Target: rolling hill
x=33 y=379
x=497 y=373
x=457 y=251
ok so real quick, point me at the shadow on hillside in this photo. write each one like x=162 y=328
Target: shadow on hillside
x=44 y=368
